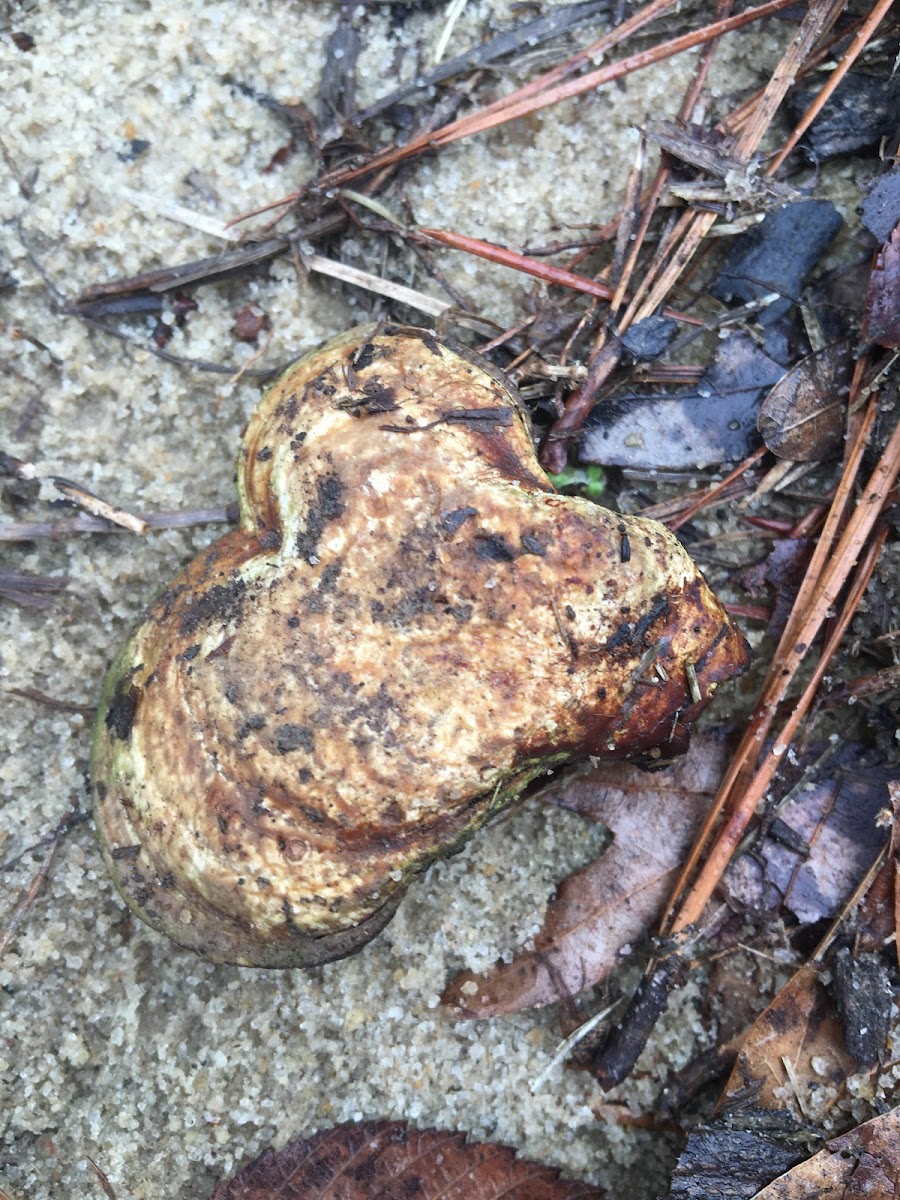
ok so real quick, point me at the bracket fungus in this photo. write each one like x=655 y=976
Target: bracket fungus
x=408 y=628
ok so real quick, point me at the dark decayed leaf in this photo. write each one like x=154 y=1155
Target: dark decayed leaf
x=862 y=991
x=862 y=1163
x=609 y=904
x=649 y=338
x=386 y=1160
x=777 y=255
x=802 y=418
x=782 y=571
x=714 y=422
x=862 y=110
x=880 y=211
x=723 y=1163
x=828 y=837
x=881 y=323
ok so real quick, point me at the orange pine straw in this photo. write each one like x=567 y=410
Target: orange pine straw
x=696 y=225
x=848 y=59
x=602 y=46
x=532 y=266
x=712 y=494
x=760 y=722
x=502 y=111
x=649 y=201
x=730 y=835
x=787 y=660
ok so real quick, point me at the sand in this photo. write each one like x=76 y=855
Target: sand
x=114 y=1043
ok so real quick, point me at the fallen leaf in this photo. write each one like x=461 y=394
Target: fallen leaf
x=881 y=322
x=386 y=1160
x=863 y=1162
x=880 y=211
x=862 y=991
x=776 y=256
x=782 y=570
x=824 y=840
x=802 y=418
x=793 y=1050
x=712 y=422
x=860 y=112
x=602 y=909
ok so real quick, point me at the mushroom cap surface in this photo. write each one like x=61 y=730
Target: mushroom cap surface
x=408 y=627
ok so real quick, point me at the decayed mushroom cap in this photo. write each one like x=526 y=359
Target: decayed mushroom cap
x=408 y=627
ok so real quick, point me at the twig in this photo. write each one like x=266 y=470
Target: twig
x=27 y=531
x=523 y=102
x=374 y=283
x=698 y=503
x=98 y=507
x=34 y=889
x=75 y=493
x=454 y=12
x=695 y=225
x=39 y=697
x=785 y=666
x=313 y=262
x=530 y=33
x=102 y=1179
x=566 y=1045
x=540 y=270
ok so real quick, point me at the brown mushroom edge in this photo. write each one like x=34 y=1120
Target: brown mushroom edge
x=408 y=629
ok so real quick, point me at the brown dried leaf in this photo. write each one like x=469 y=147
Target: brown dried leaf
x=863 y=1162
x=385 y=1160
x=609 y=904
x=777 y=1054
x=881 y=323
x=802 y=418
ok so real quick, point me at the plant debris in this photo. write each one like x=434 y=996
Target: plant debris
x=774 y=258
x=825 y=836
x=803 y=416
x=697 y=427
x=601 y=911
x=881 y=323
x=863 y=1162
x=862 y=111
x=389 y=1159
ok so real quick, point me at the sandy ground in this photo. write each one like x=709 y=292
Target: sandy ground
x=114 y=1043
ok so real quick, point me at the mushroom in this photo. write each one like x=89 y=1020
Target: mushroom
x=409 y=627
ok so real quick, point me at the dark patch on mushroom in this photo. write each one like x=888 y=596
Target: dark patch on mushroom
x=122 y=853
x=531 y=545
x=364 y=356
x=623 y=636
x=251 y=725
x=293 y=737
x=223 y=601
x=493 y=548
x=657 y=609
x=330 y=505
x=122 y=709
x=452 y=520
